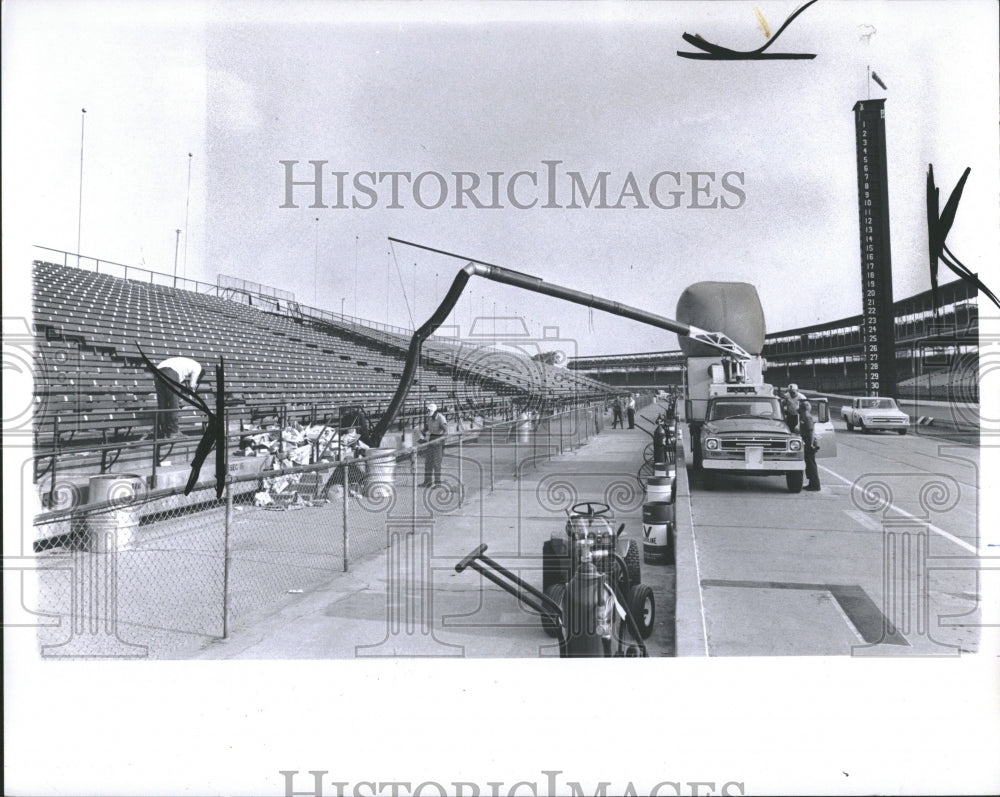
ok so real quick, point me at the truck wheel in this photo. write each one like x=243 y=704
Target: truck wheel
x=793 y=478
x=864 y=429
x=633 y=563
x=901 y=431
x=555 y=564
x=850 y=426
x=708 y=479
x=643 y=608
x=550 y=625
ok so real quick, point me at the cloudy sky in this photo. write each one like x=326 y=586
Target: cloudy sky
x=439 y=89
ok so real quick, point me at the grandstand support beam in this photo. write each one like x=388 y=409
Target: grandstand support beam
x=518 y=279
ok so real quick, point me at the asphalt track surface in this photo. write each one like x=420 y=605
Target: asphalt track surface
x=882 y=561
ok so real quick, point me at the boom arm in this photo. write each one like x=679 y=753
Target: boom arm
x=519 y=279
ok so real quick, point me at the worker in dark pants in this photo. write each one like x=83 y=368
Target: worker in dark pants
x=807 y=429
x=179 y=369
x=435 y=428
x=630 y=411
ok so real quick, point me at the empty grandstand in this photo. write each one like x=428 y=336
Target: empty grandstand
x=283 y=361
x=936 y=353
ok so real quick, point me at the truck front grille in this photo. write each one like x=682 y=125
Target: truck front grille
x=738 y=444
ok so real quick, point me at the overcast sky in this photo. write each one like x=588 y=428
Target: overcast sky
x=429 y=88
x=482 y=89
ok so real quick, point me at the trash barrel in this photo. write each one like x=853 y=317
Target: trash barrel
x=524 y=428
x=113 y=529
x=660 y=488
x=380 y=464
x=658 y=533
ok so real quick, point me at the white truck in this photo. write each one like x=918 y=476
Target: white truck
x=875 y=413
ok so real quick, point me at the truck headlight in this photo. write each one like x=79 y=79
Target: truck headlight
x=711 y=444
x=794 y=445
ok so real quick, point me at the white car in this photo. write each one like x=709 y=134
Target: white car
x=875 y=413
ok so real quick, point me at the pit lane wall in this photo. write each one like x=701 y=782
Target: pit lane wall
x=689 y=619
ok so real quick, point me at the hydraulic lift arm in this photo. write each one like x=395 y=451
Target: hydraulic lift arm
x=477 y=268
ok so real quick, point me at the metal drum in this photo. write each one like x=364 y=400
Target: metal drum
x=658 y=533
x=380 y=464
x=660 y=488
x=111 y=530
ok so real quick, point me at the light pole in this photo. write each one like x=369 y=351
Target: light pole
x=187 y=209
x=316 y=264
x=79 y=206
x=342 y=299
x=177 y=244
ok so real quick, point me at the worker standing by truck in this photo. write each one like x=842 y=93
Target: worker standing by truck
x=807 y=430
x=790 y=404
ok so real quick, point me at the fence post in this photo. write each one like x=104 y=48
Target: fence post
x=413 y=479
x=560 y=433
x=347 y=494
x=226 y=560
x=534 y=440
x=55 y=459
x=492 y=484
x=517 y=433
x=461 y=485
x=156 y=447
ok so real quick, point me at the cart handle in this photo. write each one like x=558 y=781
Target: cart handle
x=472 y=556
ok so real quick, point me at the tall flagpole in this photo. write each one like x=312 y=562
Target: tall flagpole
x=355 y=276
x=187 y=207
x=79 y=205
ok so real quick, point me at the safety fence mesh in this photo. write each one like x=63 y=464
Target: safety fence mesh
x=135 y=573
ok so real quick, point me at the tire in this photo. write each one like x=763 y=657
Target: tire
x=550 y=626
x=633 y=563
x=643 y=607
x=901 y=432
x=793 y=479
x=864 y=429
x=850 y=426
x=708 y=479
x=555 y=564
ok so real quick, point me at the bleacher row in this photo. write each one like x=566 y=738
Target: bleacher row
x=90 y=379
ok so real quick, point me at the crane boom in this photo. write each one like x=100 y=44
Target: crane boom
x=477 y=268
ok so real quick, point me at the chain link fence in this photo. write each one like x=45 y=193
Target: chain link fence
x=131 y=572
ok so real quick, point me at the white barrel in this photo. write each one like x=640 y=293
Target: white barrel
x=112 y=530
x=381 y=464
x=660 y=488
x=524 y=428
x=660 y=469
x=658 y=533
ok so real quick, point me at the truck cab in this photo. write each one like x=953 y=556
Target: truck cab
x=744 y=431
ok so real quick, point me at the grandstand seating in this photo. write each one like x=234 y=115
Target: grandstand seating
x=91 y=381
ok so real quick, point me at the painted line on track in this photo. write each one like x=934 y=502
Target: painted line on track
x=936 y=529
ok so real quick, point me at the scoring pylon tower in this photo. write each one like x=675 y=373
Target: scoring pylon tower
x=877 y=320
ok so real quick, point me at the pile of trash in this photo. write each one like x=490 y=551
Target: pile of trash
x=295 y=445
